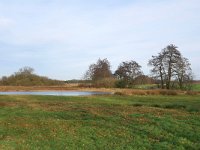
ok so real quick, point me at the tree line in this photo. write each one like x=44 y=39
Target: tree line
x=169 y=69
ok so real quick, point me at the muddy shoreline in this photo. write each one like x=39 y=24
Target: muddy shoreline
x=50 y=88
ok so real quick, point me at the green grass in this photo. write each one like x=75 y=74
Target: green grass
x=100 y=122
x=196 y=87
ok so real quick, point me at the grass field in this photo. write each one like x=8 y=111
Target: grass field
x=100 y=122
x=196 y=87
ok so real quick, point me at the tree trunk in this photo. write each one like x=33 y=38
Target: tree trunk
x=162 y=82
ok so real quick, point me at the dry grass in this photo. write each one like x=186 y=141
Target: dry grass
x=192 y=93
x=34 y=88
x=117 y=91
x=87 y=107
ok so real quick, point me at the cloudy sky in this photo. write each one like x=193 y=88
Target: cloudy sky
x=61 y=38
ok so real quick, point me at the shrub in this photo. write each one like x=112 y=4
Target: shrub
x=106 y=83
x=120 y=84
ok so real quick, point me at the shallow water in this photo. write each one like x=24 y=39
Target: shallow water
x=55 y=93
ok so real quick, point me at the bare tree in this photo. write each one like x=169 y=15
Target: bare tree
x=169 y=66
x=171 y=56
x=128 y=71
x=99 y=71
x=158 y=68
x=183 y=73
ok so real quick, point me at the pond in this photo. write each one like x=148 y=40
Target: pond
x=55 y=93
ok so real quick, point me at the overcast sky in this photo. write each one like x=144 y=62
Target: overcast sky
x=61 y=38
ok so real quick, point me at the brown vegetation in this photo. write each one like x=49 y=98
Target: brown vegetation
x=116 y=91
x=26 y=77
x=35 y=88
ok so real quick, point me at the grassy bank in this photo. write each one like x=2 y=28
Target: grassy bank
x=196 y=87
x=100 y=122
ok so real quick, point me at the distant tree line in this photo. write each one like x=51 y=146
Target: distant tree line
x=26 y=77
x=170 y=70
x=127 y=75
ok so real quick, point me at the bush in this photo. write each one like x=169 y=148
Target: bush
x=120 y=84
x=106 y=83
